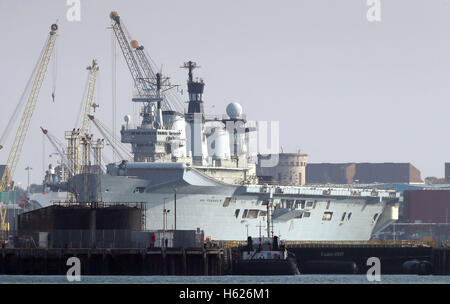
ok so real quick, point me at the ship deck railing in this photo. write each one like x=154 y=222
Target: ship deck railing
x=323 y=191
x=325 y=244
x=369 y=243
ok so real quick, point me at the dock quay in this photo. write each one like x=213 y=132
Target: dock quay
x=312 y=258
x=352 y=257
x=153 y=261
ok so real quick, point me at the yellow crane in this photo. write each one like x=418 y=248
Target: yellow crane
x=88 y=102
x=16 y=148
x=87 y=106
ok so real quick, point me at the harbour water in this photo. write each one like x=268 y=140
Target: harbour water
x=299 y=279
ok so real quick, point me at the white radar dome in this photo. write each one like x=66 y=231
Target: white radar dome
x=234 y=110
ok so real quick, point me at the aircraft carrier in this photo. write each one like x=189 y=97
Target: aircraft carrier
x=200 y=172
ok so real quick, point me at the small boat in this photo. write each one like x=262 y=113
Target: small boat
x=266 y=256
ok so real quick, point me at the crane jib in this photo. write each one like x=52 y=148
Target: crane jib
x=22 y=130
x=138 y=65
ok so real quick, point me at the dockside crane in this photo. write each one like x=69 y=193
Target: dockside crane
x=156 y=80
x=143 y=75
x=87 y=107
x=58 y=146
x=144 y=90
x=117 y=146
x=16 y=148
x=88 y=104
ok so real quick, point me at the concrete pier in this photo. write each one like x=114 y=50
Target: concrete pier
x=155 y=261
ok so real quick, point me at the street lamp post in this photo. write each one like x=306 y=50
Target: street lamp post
x=175 y=208
x=28 y=169
x=164 y=223
x=165 y=211
x=394 y=231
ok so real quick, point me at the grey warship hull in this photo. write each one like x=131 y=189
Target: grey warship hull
x=230 y=212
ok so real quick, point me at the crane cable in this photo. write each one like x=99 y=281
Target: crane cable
x=117 y=143
x=107 y=136
x=114 y=87
x=80 y=109
x=55 y=71
x=44 y=154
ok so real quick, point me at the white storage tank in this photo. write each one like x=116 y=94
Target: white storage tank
x=219 y=144
x=175 y=121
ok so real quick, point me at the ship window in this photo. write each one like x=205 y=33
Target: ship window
x=375 y=217
x=343 y=216
x=328 y=205
x=306 y=214
x=309 y=204
x=226 y=202
x=244 y=215
x=349 y=216
x=327 y=216
x=236 y=213
x=139 y=190
x=262 y=213
x=291 y=204
x=302 y=204
x=299 y=216
x=315 y=203
x=252 y=213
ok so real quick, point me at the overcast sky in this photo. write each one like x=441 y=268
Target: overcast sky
x=344 y=89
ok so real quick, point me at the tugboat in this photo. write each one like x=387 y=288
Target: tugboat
x=266 y=257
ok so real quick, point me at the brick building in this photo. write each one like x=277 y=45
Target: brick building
x=364 y=173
